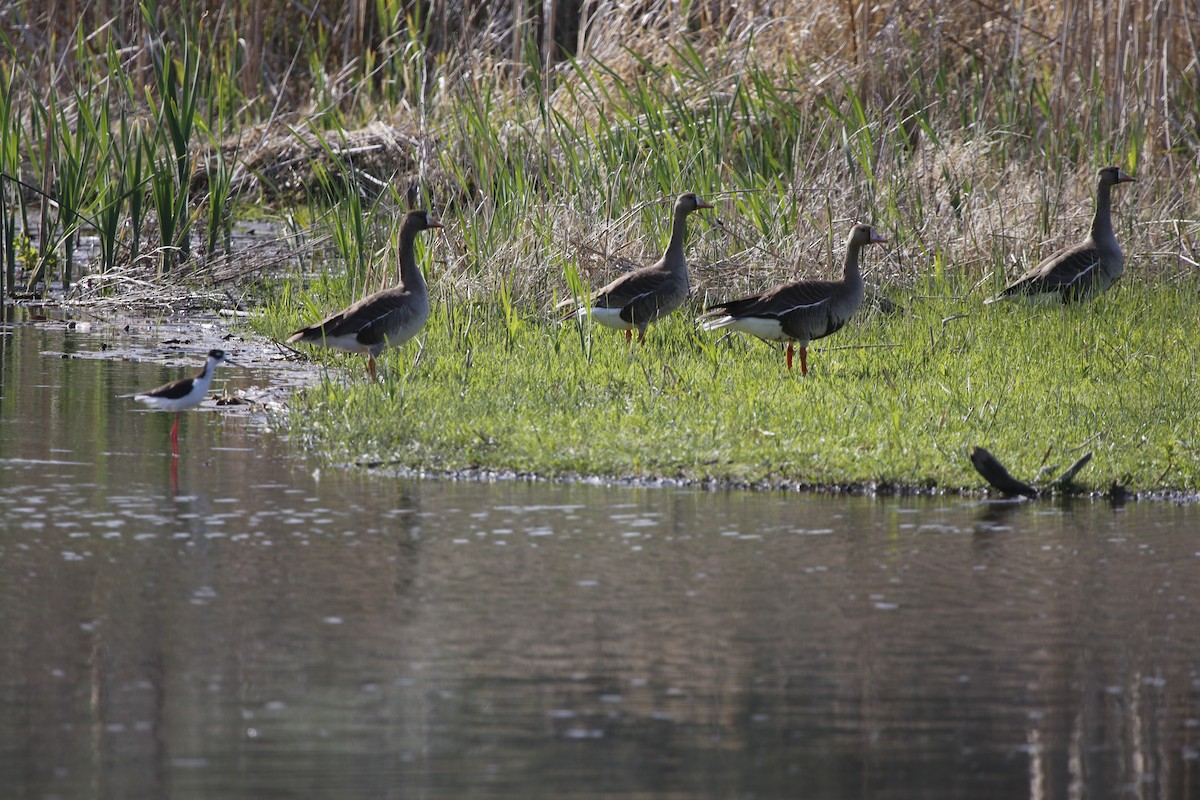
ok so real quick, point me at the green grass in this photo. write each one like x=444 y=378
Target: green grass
x=896 y=399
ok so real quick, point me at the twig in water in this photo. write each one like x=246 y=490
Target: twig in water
x=292 y=350
x=995 y=474
x=1073 y=470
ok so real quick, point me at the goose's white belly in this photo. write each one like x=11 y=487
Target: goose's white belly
x=610 y=317
x=347 y=341
x=763 y=327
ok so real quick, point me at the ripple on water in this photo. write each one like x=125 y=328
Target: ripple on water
x=641 y=644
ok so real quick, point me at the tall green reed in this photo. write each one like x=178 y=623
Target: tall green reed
x=177 y=79
x=120 y=192
x=10 y=169
x=42 y=159
x=83 y=144
x=219 y=201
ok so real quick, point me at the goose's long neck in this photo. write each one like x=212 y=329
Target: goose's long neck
x=674 y=256
x=1102 y=223
x=410 y=271
x=851 y=275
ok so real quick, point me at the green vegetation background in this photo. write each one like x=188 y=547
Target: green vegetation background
x=971 y=137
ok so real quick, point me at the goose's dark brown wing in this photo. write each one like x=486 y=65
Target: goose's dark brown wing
x=631 y=288
x=370 y=320
x=393 y=315
x=778 y=302
x=1071 y=272
x=640 y=295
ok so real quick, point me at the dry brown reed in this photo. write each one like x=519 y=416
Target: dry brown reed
x=1144 y=55
x=1123 y=71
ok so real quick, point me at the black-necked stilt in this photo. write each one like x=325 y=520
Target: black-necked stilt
x=384 y=319
x=633 y=301
x=184 y=393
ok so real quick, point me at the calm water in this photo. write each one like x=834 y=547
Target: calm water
x=250 y=627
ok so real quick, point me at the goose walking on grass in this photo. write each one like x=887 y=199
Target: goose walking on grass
x=1086 y=269
x=384 y=319
x=185 y=393
x=799 y=312
x=633 y=301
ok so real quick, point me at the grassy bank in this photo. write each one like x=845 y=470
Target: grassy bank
x=969 y=135
x=894 y=399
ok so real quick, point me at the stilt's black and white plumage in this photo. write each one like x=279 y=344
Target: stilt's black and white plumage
x=384 y=319
x=184 y=393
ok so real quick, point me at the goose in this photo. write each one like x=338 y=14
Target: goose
x=385 y=319
x=802 y=311
x=1084 y=270
x=636 y=299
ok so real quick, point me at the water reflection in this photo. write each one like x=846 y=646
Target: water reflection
x=267 y=630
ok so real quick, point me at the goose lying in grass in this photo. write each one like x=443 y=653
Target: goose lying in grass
x=1084 y=270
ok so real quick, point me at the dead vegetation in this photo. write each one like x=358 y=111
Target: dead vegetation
x=981 y=122
x=287 y=163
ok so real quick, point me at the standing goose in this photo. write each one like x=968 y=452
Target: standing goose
x=185 y=393
x=801 y=311
x=1086 y=269
x=635 y=300
x=384 y=319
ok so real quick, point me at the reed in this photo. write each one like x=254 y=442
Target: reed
x=10 y=169
x=742 y=100
x=348 y=223
x=178 y=80
x=220 y=202
x=83 y=142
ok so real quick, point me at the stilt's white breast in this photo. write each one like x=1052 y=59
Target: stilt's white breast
x=189 y=400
